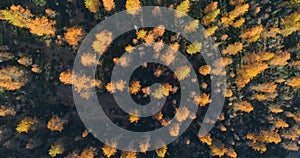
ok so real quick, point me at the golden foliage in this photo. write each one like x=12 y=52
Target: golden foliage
x=108 y=4
x=210 y=31
x=292 y=133
x=209 y=18
x=103 y=40
x=128 y=154
x=233 y=49
x=280 y=59
x=238 y=23
x=280 y=123
x=92 y=5
x=88 y=59
x=55 y=124
x=291 y=146
x=16 y=15
x=206 y=139
x=194 y=48
x=218 y=67
x=66 y=77
x=182 y=72
x=26 y=61
x=174 y=129
x=218 y=150
x=252 y=34
x=182 y=114
x=12 y=78
x=25 y=125
x=144 y=146
x=205 y=70
x=191 y=26
x=157 y=46
x=163 y=90
x=295 y=116
x=135 y=87
x=87 y=153
x=236 y=2
x=23 y=18
x=83 y=84
x=51 y=13
x=231 y=153
x=133 y=6
x=169 y=56
x=291 y=23
x=183 y=8
x=272 y=32
x=141 y=34
x=228 y=93
x=228 y=18
x=247 y=72
x=74 y=35
x=55 y=150
x=265 y=136
x=36 y=68
x=265 y=87
x=111 y=87
x=275 y=109
x=149 y=39
x=265 y=56
x=202 y=99
x=258 y=146
x=263 y=97
x=159 y=31
x=161 y=152
x=42 y=26
x=129 y=48
x=244 y=106
x=210 y=7
x=4 y=111
x=294 y=81
x=134 y=117
x=108 y=151
x=5 y=56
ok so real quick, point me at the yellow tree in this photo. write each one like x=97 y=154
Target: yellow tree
x=16 y=15
x=12 y=78
x=74 y=35
x=92 y=5
x=183 y=8
x=252 y=34
x=42 y=26
x=108 y=4
x=133 y=6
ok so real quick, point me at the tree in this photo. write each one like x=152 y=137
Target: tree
x=56 y=150
x=233 y=49
x=55 y=124
x=108 y=151
x=103 y=40
x=133 y=6
x=12 y=78
x=92 y=5
x=252 y=34
x=244 y=106
x=25 y=125
x=74 y=35
x=183 y=8
x=108 y=4
x=194 y=48
x=16 y=15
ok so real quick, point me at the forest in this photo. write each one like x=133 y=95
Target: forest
x=257 y=39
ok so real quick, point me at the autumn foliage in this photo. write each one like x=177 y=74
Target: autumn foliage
x=74 y=35
x=23 y=18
